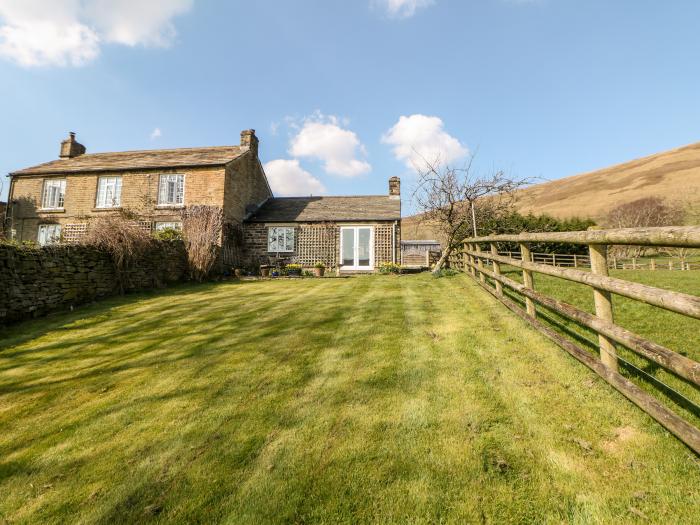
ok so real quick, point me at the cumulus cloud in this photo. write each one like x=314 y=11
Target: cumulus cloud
x=287 y=177
x=70 y=32
x=419 y=138
x=402 y=8
x=155 y=133
x=323 y=138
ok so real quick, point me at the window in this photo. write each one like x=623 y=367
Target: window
x=171 y=191
x=164 y=225
x=109 y=192
x=54 y=193
x=49 y=234
x=280 y=239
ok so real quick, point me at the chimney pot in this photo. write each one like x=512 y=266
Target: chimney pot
x=395 y=188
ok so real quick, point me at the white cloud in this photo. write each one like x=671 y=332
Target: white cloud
x=155 y=133
x=402 y=8
x=287 y=177
x=321 y=137
x=419 y=138
x=70 y=32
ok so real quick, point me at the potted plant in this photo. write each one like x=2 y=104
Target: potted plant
x=265 y=270
x=319 y=269
x=294 y=270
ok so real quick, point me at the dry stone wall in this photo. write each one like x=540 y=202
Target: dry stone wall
x=35 y=281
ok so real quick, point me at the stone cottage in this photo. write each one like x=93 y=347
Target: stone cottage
x=55 y=201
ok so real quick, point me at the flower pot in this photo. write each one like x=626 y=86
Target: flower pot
x=264 y=270
x=237 y=273
x=318 y=272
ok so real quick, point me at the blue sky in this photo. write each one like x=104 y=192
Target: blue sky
x=541 y=88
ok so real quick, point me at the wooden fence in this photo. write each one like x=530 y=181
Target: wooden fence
x=632 y=263
x=474 y=258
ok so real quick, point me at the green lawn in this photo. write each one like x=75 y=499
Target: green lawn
x=371 y=399
x=677 y=332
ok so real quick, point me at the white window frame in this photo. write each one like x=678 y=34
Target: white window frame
x=356 y=242
x=103 y=185
x=53 y=200
x=175 y=225
x=273 y=237
x=178 y=198
x=48 y=234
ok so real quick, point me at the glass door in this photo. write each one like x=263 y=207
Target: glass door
x=356 y=250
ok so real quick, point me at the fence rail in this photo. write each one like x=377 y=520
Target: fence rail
x=630 y=263
x=473 y=259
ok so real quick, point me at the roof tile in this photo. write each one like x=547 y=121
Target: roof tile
x=319 y=209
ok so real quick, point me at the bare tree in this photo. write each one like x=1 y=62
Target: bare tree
x=202 y=228
x=647 y=211
x=457 y=200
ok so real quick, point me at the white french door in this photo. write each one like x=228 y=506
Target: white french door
x=357 y=248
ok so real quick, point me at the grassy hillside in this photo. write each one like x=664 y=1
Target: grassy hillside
x=673 y=175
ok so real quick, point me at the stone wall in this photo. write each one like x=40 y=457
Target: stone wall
x=35 y=281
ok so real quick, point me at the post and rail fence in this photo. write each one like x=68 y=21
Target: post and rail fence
x=473 y=259
x=614 y=263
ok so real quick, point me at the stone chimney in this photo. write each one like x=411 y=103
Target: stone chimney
x=249 y=140
x=395 y=188
x=71 y=148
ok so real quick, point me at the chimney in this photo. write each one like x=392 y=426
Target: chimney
x=249 y=140
x=395 y=188
x=71 y=148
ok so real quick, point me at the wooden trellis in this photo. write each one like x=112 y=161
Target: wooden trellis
x=317 y=242
x=73 y=233
x=383 y=244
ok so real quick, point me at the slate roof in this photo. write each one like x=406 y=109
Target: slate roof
x=134 y=160
x=320 y=209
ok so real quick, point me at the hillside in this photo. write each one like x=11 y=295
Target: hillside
x=673 y=175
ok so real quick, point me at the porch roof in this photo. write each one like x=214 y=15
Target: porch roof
x=328 y=209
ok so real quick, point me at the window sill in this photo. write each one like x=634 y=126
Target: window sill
x=280 y=252
x=51 y=210
x=169 y=206
x=115 y=208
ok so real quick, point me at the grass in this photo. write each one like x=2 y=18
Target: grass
x=675 y=331
x=382 y=399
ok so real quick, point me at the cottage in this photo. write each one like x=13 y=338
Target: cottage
x=55 y=201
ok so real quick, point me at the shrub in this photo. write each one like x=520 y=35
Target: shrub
x=201 y=228
x=387 y=268
x=124 y=239
x=168 y=234
x=445 y=272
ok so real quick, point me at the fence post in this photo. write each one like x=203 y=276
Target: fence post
x=653 y=264
x=480 y=264
x=603 y=304
x=634 y=263
x=575 y=261
x=670 y=264
x=496 y=269
x=526 y=256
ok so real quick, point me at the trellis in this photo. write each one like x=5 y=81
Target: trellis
x=383 y=243
x=317 y=243
x=73 y=233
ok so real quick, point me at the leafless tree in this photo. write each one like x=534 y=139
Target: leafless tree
x=123 y=238
x=457 y=200
x=202 y=229
x=647 y=211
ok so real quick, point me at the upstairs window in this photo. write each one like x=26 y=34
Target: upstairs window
x=53 y=194
x=280 y=239
x=49 y=234
x=171 y=190
x=109 y=192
